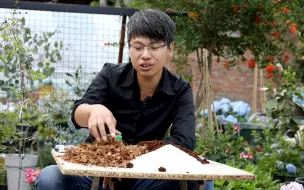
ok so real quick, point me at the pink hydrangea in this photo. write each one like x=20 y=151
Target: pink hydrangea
x=292 y=186
x=248 y=155
x=32 y=175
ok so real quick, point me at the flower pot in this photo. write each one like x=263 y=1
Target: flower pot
x=300 y=180
x=246 y=130
x=16 y=166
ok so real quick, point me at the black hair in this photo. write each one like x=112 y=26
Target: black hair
x=151 y=23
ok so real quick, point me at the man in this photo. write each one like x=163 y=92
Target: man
x=139 y=100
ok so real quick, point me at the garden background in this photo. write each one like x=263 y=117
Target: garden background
x=244 y=60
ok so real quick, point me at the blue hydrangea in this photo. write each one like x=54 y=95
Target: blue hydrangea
x=280 y=165
x=275 y=145
x=224 y=101
x=224 y=108
x=280 y=151
x=291 y=168
x=231 y=119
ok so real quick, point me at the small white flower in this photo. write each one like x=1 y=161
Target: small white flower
x=264 y=89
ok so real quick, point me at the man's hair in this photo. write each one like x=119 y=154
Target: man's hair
x=154 y=24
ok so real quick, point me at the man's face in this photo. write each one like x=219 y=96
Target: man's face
x=149 y=58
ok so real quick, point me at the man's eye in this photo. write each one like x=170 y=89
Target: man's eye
x=138 y=48
x=155 y=47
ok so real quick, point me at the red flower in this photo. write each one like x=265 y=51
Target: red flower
x=276 y=35
x=245 y=6
x=226 y=65
x=251 y=64
x=227 y=149
x=286 y=58
x=268 y=57
x=235 y=9
x=235 y=128
x=270 y=68
x=106 y=44
x=257 y=19
x=259 y=148
x=270 y=75
x=276 y=13
x=288 y=22
x=285 y=10
x=293 y=28
x=274 y=23
x=259 y=6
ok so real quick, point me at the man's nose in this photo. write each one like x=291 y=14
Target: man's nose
x=146 y=53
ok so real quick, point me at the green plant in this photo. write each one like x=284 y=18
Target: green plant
x=222 y=147
x=25 y=59
x=277 y=153
x=282 y=108
x=263 y=179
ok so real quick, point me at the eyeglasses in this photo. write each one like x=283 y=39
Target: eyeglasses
x=139 y=48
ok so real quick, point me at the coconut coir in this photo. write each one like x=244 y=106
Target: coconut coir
x=110 y=153
x=114 y=153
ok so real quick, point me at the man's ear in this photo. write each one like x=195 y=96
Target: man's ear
x=171 y=50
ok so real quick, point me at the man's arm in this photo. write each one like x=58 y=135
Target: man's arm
x=91 y=111
x=183 y=127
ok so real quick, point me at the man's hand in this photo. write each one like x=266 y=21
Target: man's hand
x=99 y=117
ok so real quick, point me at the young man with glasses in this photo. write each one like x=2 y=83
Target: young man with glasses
x=139 y=100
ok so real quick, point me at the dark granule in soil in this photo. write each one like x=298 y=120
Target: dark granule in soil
x=162 y=169
x=129 y=165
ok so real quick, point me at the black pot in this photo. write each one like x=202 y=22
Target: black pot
x=300 y=180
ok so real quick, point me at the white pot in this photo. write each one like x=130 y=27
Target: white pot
x=16 y=166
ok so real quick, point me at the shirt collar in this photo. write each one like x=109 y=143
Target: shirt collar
x=165 y=83
x=130 y=77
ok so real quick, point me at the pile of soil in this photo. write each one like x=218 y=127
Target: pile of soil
x=110 y=153
x=114 y=153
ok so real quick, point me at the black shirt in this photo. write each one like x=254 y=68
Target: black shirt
x=116 y=87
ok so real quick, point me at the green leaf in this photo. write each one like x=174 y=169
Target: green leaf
x=272 y=104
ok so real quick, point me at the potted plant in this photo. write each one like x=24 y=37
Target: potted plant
x=26 y=59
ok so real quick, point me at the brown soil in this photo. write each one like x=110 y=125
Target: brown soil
x=114 y=153
x=111 y=153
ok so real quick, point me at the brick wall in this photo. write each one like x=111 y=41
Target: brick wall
x=235 y=83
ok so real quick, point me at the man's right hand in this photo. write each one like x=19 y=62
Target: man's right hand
x=99 y=118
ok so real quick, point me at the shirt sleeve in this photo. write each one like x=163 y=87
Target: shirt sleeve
x=183 y=127
x=96 y=93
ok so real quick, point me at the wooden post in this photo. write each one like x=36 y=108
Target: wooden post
x=262 y=92
x=122 y=38
x=95 y=183
x=254 y=94
x=183 y=185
